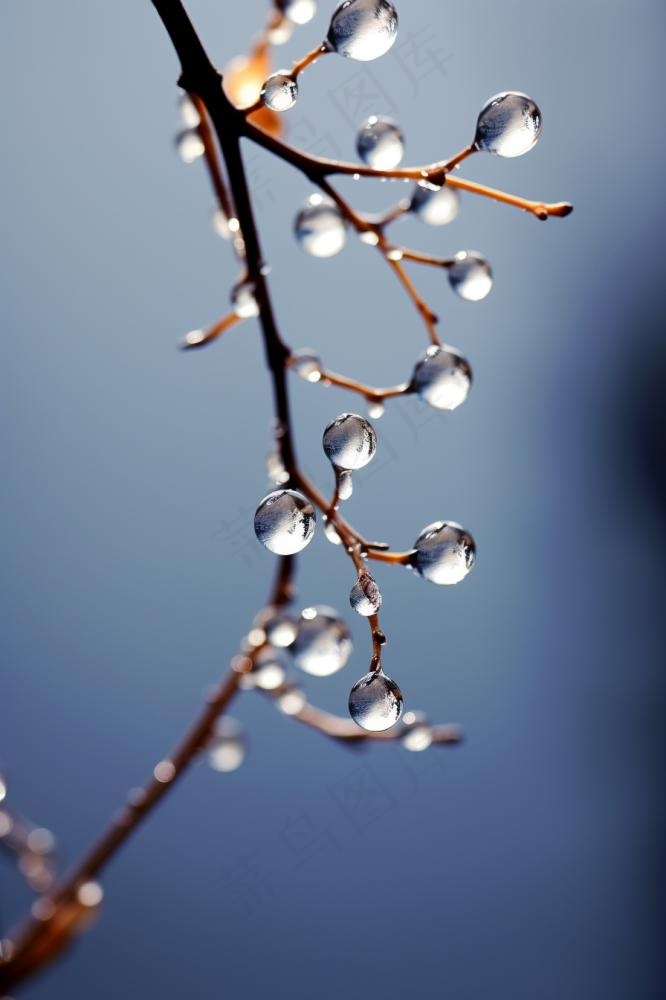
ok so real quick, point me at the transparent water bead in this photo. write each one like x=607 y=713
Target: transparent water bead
x=444 y=553
x=292 y=701
x=344 y=484
x=280 y=91
x=227 y=748
x=435 y=207
x=470 y=276
x=509 y=124
x=189 y=145
x=280 y=628
x=307 y=365
x=349 y=441
x=285 y=522
x=365 y=597
x=418 y=732
x=188 y=111
x=268 y=673
x=320 y=228
x=380 y=143
x=243 y=301
x=442 y=377
x=323 y=644
x=298 y=11
x=375 y=702
x=363 y=29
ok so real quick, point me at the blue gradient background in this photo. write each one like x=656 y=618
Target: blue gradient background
x=525 y=864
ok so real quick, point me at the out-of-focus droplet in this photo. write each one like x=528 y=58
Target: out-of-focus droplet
x=298 y=11
x=190 y=145
x=435 y=207
x=375 y=410
x=280 y=91
x=285 y=522
x=363 y=29
x=3 y=788
x=349 y=441
x=220 y=224
x=280 y=32
x=189 y=114
x=243 y=300
x=330 y=532
x=470 y=276
x=365 y=597
x=275 y=469
x=442 y=377
x=444 y=553
x=375 y=702
x=280 y=627
x=268 y=672
x=380 y=143
x=417 y=732
x=307 y=365
x=509 y=124
x=323 y=643
x=292 y=701
x=320 y=228
x=227 y=748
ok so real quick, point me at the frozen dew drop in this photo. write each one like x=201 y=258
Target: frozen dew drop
x=435 y=207
x=320 y=228
x=227 y=748
x=292 y=701
x=189 y=145
x=442 y=378
x=189 y=114
x=380 y=143
x=285 y=522
x=330 y=532
x=280 y=91
x=470 y=275
x=349 y=441
x=417 y=732
x=375 y=702
x=363 y=29
x=444 y=553
x=509 y=124
x=307 y=365
x=243 y=301
x=323 y=643
x=365 y=597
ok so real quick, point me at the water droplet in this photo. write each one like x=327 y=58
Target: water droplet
x=285 y=522
x=292 y=701
x=442 y=377
x=370 y=237
x=298 y=11
x=268 y=673
x=380 y=143
x=193 y=338
x=470 y=276
x=330 y=532
x=444 y=553
x=418 y=733
x=189 y=114
x=280 y=32
x=435 y=207
x=509 y=124
x=365 y=597
x=220 y=224
x=227 y=748
x=275 y=469
x=349 y=441
x=394 y=254
x=320 y=228
x=307 y=365
x=243 y=301
x=363 y=29
x=344 y=484
x=189 y=145
x=280 y=91
x=280 y=628
x=375 y=410
x=375 y=702
x=323 y=643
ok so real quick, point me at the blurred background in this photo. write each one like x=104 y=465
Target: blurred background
x=526 y=863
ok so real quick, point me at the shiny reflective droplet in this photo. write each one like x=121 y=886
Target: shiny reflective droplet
x=417 y=732
x=370 y=237
x=243 y=301
x=363 y=29
x=306 y=364
x=330 y=532
x=442 y=377
x=280 y=627
x=320 y=228
x=375 y=410
x=365 y=597
x=435 y=207
x=268 y=673
x=298 y=11
x=189 y=145
x=344 y=484
x=189 y=114
x=292 y=701
x=509 y=124
x=380 y=143
x=375 y=702
x=349 y=441
x=285 y=522
x=280 y=91
x=444 y=553
x=470 y=276
x=220 y=224
x=227 y=748
x=323 y=643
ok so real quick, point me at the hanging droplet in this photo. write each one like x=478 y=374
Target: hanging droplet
x=280 y=628
x=344 y=484
x=509 y=124
x=323 y=643
x=365 y=597
x=275 y=469
x=363 y=29
x=380 y=143
x=418 y=732
x=268 y=673
x=375 y=702
x=292 y=701
x=220 y=224
x=190 y=145
x=375 y=410
x=444 y=553
x=298 y=11
x=320 y=228
x=243 y=301
x=227 y=748
x=189 y=114
x=470 y=276
x=349 y=441
x=330 y=532
x=435 y=207
x=442 y=378
x=280 y=91
x=285 y=522
x=280 y=31
x=307 y=365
